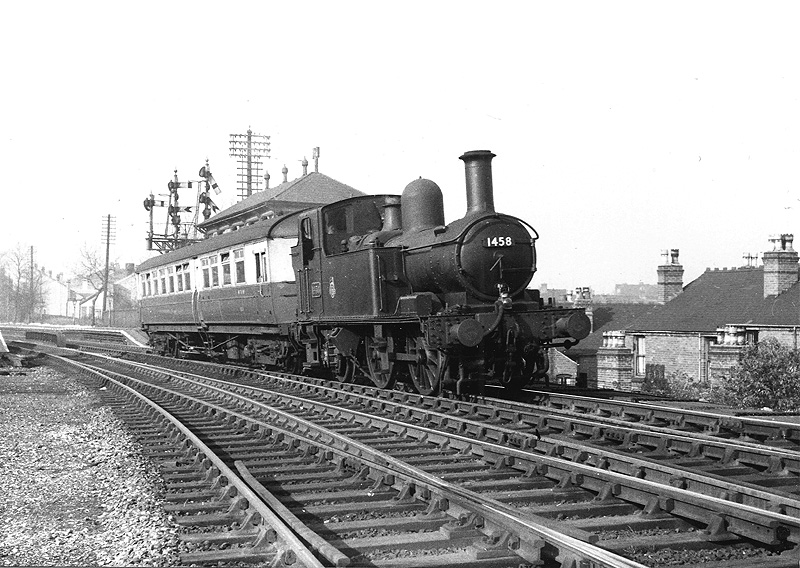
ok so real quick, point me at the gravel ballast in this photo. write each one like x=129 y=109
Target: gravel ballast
x=76 y=489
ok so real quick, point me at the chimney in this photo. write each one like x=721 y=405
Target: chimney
x=304 y=163
x=480 y=193
x=583 y=299
x=266 y=180
x=780 y=265
x=285 y=172
x=670 y=276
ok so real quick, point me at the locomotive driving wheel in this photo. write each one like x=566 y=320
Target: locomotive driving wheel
x=381 y=369
x=428 y=369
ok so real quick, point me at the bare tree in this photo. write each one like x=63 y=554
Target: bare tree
x=91 y=269
x=22 y=284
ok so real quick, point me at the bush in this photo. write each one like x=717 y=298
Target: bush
x=768 y=374
x=674 y=385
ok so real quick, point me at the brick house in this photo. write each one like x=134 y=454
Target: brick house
x=699 y=330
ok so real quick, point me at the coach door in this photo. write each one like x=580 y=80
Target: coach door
x=309 y=282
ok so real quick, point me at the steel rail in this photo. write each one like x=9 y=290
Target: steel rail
x=788 y=430
x=780 y=504
x=520 y=410
x=748 y=521
x=608 y=459
x=502 y=515
x=288 y=548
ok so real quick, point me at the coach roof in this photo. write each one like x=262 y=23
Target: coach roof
x=276 y=227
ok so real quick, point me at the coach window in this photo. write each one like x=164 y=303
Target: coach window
x=171 y=271
x=187 y=281
x=206 y=273
x=214 y=270
x=225 y=259
x=179 y=277
x=238 y=258
x=163 y=274
x=261 y=273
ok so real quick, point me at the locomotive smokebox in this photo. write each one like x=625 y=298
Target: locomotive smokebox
x=480 y=193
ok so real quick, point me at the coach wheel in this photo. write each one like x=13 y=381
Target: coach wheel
x=381 y=370
x=427 y=371
x=345 y=369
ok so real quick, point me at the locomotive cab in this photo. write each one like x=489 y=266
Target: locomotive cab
x=342 y=267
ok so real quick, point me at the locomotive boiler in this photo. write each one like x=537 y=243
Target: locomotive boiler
x=380 y=288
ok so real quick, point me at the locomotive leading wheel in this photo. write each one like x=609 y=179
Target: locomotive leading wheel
x=381 y=369
x=345 y=369
x=426 y=372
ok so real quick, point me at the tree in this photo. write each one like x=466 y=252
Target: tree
x=23 y=289
x=91 y=269
x=768 y=374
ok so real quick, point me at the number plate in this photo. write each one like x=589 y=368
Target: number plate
x=494 y=242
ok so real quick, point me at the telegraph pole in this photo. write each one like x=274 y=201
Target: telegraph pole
x=32 y=300
x=108 y=236
x=249 y=149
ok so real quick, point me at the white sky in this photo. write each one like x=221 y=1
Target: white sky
x=621 y=128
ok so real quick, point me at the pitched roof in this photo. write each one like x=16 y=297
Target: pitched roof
x=720 y=297
x=308 y=191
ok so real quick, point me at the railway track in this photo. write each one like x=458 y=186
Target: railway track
x=601 y=487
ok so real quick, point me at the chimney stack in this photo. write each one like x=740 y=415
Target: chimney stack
x=480 y=193
x=583 y=299
x=780 y=265
x=670 y=276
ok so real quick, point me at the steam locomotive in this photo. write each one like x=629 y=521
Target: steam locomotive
x=375 y=287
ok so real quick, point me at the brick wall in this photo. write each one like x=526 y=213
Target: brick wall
x=788 y=336
x=679 y=353
x=722 y=359
x=614 y=362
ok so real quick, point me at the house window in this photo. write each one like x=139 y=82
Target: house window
x=225 y=259
x=238 y=257
x=640 y=355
